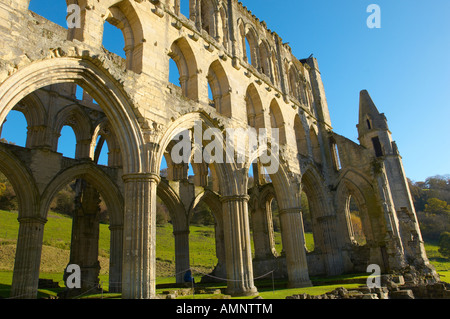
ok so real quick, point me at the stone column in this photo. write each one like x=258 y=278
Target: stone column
x=85 y=237
x=115 y=259
x=28 y=258
x=293 y=239
x=237 y=246
x=263 y=236
x=139 y=255
x=182 y=262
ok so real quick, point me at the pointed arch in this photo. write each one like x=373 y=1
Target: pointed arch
x=277 y=121
x=181 y=52
x=315 y=146
x=94 y=79
x=124 y=16
x=220 y=88
x=255 y=112
x=300 y=136
x=266 y=60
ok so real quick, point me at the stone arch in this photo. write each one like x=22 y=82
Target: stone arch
x=266 y=60
x=123 y=16
x=104 y=131
x=224 y=32
x=212 y=200
x=353 y=183
x=184 y=57
x=220 y=87
x=75 y=117
x=94 y=176
x=277 y=120
x=100 y=85
x=34 y=112
x=255 y=112
x=300 y=136
x=23 y=183
x=324 y=222
x=315 y=145
x=251 y=36
x=208 y=9
x=225 y=172
x=294 y=82
x=174 y=204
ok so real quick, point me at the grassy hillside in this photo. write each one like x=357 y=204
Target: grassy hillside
x=55 y=255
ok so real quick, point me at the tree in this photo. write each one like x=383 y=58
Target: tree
x=444 y=244
x=437 y=206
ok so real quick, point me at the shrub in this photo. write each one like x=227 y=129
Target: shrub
x=444 y=244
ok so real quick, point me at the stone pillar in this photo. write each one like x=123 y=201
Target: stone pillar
x=263 y=236
x=182 y=262
x=85 y=237
x=28 y=258
x=237 y=245
x=115 y=259
x=293 y=239
x=139 y=255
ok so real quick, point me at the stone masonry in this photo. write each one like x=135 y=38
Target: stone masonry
x=130 y=105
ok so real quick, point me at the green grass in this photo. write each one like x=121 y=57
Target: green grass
x=57 y=235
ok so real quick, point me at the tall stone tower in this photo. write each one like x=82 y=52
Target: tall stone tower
x=403 y=226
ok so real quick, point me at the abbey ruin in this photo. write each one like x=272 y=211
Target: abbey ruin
x=130 y=105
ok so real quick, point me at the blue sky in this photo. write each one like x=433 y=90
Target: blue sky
x=405 y=65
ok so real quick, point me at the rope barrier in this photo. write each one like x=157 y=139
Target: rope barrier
x=99 y=285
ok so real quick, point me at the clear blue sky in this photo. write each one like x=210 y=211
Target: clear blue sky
x=405 y=65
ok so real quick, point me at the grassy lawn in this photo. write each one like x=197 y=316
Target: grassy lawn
x=55 y=257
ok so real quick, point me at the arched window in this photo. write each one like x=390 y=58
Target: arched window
x=208 y=17
x=300 y=136
x=14 y=129
x=128 y=44
x=67 y=142
x=255 y=114
x=356 y=227
x=307 y=223
x=277 y=121
x=316 y=153
x=335 y=155
x=183 y=69
x=220 y=88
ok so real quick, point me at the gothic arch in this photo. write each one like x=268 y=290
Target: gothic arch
x=100 y=85
x=315 y=145
x=353 y=183
x=75 y=117
x=94 y=176
x=123 y=16
x=277 y=121
x=22 y=181
x=220 y=87
x=300 y=136
x=255 y=112
x=174 y=205
x=266 y=59
x=225 y=172
x=104 y=130
x=184 y=57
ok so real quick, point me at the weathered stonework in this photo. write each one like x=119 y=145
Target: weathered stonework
x=139 y=113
